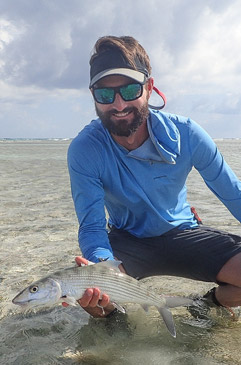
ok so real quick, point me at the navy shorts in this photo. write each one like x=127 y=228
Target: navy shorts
x=197 y=253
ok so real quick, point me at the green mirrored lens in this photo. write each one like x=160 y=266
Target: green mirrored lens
x=104 y=96
x=128 y=92
x=131 y=91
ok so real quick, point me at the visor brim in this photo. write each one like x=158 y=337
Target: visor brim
x=133 y=74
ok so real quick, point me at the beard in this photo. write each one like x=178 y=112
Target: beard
x=123 y=127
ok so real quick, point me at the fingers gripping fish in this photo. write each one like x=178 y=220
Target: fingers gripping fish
x=68 y=285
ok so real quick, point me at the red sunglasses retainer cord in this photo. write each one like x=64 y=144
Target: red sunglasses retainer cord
x=163 y=98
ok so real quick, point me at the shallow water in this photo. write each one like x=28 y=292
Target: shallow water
x=39 y=235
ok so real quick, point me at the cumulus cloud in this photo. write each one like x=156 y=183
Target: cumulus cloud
x=194 y=48
x=55 y=38
x=54 y=46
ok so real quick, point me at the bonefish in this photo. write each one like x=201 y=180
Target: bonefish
x=69 y=284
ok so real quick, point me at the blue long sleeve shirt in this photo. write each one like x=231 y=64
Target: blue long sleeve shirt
x=144 y=190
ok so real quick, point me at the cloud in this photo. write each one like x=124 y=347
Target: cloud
x=45 y=48
x=54 y=47
x=55 y=41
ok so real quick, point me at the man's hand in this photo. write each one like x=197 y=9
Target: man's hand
x=93 y=299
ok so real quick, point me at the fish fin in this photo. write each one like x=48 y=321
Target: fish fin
x=173 y=302
x=70 y=300
x=89 y=263
x=103 y=310
x=112 y=264
x=145 y=307
x=168 y=320
x=119 y=307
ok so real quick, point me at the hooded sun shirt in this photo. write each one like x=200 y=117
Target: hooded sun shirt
x=144 y=190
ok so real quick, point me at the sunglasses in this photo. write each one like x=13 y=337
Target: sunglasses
x=106 y=95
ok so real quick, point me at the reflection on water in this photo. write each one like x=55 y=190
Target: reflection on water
x=39 y=235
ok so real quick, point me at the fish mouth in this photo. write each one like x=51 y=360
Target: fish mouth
x=22 y=303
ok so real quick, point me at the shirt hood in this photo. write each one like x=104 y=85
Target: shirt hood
x=164 y=135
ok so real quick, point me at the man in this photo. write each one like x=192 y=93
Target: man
x=134 y=161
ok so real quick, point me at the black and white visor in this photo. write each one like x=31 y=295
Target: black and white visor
x=112 y=62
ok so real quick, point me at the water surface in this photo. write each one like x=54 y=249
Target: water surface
x=39 y=235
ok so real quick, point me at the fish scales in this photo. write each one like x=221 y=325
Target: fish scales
x=108 y=282
x=69 y=284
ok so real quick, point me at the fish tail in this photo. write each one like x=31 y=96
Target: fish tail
x=168 y=320
x=172 y=302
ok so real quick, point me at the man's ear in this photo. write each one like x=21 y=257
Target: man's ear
x=150 y=84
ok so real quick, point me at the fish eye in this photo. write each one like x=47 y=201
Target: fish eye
x=33 y=289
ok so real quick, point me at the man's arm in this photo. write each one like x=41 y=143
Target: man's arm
x=86 y=166
x=216 y=173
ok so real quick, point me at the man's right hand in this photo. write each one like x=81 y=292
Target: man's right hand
x=94 y=302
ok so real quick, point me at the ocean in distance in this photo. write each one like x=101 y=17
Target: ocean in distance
x=39 y=235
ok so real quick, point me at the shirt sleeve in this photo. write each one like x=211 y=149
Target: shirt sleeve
x=85 y=165
x=217 y=174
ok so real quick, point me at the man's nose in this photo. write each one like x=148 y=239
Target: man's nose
x=119 y=104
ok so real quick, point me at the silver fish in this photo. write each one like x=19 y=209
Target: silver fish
x=69 y=284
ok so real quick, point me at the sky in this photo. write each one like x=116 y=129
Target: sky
x=45 y=46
